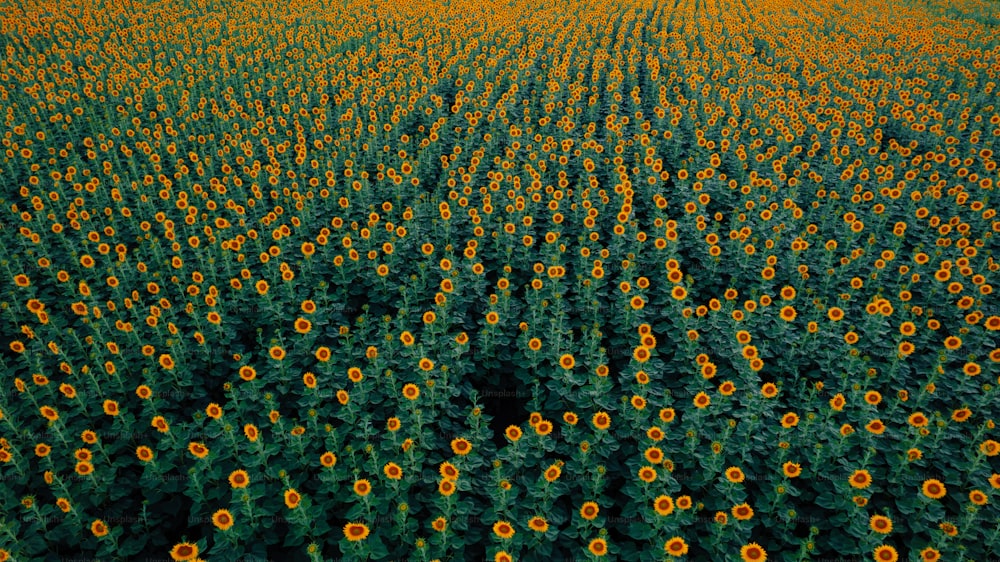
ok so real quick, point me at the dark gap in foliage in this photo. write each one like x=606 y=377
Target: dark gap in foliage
x=505 y=398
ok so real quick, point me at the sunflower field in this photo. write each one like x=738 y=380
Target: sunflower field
x=498 y=280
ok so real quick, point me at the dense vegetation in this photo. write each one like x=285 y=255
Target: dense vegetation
x=494 y=280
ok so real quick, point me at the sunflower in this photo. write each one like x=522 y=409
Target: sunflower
x=880 y=524
x=251 y=432
x=675 y=546
x=788 y=313
x=543 y=427
x=362 y=487
x=961 y=415
x=601 y=420
x=239 y=479
x=837 y=402
x=930 y=554
x=735 y=475
x=503 y=529
x=184 y=551
x=589 y=511
x=654 y=455
x=753 y=552
x=222 y=519
x=302 y=326
x=292 y=498
x=791 y=469
x=199 y=450
x=213 y=411
x=68 y=391
x=538 y=524
x=990 y=448
x=439 y=524
x=355 y=531
x=411 y=391
x=742 y=512
x=461 y=446
x=144 y=453
x=663 y=505
x=566 y=361
x=166 y=361
x=446 y=487
x=99 y=528
x=886 y=553
x=247 y=373
x=708 y=370
x=647 y=474
x=393 y=471
x=860 y=479
x=727 y=388
x=702 y=400
x=978 y=497
x=552 y=473
x=876 y=427
x=790 y=420
x=933 y=488
x=769 y=390
x=84 y=468
x=448 y=471
x=309 y=380
x=393 y=424
x=328 y=459
x=598 y=547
